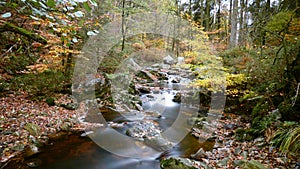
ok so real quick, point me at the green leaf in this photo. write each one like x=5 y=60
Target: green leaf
x=86 y=7
x=51 y=3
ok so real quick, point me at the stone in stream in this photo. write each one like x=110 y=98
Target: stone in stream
x=153 y=114
x=199 y=154
x=177 y=163
x=177 y=98
x=142 y=129
x=146 y=75
x=144 y=89
x=180 y=60
x=176 y=80
x=169 y=60
x=162 y=76
x=158 y=143
x=34 y=163
x=31 y=150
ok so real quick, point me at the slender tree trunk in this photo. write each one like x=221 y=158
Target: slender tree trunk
x=246 y=34
x=233 y=31
x=123 y=25
x=241 y=29
x=219 y=15
x=190 y=48
x=207 y=15
x=202 y=12
x=215 y=13
x=230 y=11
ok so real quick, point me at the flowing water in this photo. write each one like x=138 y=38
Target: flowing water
x=76 y=152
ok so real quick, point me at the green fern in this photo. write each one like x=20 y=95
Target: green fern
x=288 y=139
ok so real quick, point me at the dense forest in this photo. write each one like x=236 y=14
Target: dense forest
x=249 y=50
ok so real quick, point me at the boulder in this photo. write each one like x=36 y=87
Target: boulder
x=180 y=60
x=176 y=163
x=177 y=98
x=169 y=60
x=144 y=74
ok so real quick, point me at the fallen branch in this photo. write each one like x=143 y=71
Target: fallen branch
x=293 y=104
x=13 y=28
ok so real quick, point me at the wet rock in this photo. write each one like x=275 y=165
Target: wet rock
x=180 y=60
x=169 y=60
x=34 y=163
x=197 y=121
x=31 y=150
x=176 y=163
x=142 y=129
x=177 y=98
x=156 y=91
x=154 y=114
x=158 y=143
x=229 y=126
x=137 y=106
x=65 y=126
x=93 y=116
x=144 y=89
x=199 y=154
x=86 y=133
x=176 y=80
x=150 y=96
x=157 y=65
x=146 y=75
x=163 y=76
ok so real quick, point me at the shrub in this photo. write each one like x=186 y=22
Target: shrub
x=287 y=138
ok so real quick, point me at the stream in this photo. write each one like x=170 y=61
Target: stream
x=81 y=152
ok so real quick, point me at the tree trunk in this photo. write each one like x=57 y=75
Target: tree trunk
x=207 y=15
x=246 y=34
x=233 y=31
x=123 y=25
x=219 y=15
x=241 y=29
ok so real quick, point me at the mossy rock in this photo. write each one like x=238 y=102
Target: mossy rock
x=33 y=129
x=172 y=163
x=252 y=164
x=50 y=101
x=245 y=135
x=289 y=113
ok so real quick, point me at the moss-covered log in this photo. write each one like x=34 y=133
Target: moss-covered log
x=13 y=28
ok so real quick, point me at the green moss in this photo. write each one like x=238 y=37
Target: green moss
x=243 y=135
x=172 y=163
x=40 y=85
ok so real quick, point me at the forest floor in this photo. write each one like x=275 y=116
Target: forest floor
x=25 y=122
x=229 y=152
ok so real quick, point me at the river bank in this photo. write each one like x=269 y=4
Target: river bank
x=25 y=122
